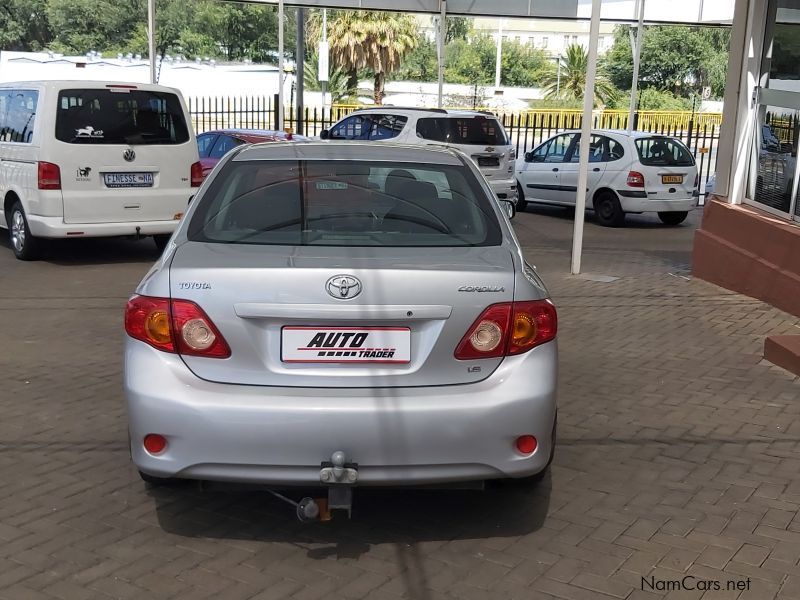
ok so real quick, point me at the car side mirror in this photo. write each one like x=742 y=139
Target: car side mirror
x=324 y=134
x=509 y=207
x=529 y=157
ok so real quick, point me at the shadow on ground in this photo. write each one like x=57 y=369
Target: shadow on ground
x=380 y=515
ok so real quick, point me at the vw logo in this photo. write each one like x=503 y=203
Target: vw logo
x=129 y=155
x=343 y=287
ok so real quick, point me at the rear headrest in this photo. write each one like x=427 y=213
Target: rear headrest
x=411 y=189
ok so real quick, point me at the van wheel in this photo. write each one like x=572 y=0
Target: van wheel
x=673 y=218
x=522 y=204
x=24 y=245
x=161 y=241
x=607 y=210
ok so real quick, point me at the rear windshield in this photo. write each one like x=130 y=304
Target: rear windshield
x=97 y=116
x=479 y=131
x=343 y=203
x=663 y=152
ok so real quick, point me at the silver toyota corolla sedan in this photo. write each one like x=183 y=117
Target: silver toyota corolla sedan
x=342 y=314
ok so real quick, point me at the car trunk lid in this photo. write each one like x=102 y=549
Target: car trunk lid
x=274 y=305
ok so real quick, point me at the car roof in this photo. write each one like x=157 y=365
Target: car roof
x=623 y=133
x=255 y=133
x=86 y=84
x=351 y=151
x=431 y=112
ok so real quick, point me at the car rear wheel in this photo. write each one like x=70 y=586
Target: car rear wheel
x=161 y=241
x=24 y=245
x=521 y=202
x=608 y=210
x=673 y=218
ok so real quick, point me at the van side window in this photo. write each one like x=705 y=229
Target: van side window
x=17 y=115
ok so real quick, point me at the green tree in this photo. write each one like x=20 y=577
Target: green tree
x=420 y=64
x=473 y=61
x=24 y=25
x=674 y=58
x=570 y=84
x=83 y=25
x=337 y=80
x=373 y=40
x=457 y=28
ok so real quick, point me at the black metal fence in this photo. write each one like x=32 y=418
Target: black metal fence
x=527 y=129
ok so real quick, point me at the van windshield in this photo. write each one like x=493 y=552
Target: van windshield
x=120 y=116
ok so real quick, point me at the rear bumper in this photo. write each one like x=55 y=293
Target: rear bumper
x=280 y=436
x=634 y=204
x=54 y=227
x=504 y=188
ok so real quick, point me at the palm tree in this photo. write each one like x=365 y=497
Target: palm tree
x=373 y=40
x=337 y=80
x=571 y=83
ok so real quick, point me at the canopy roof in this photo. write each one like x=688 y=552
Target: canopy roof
x=689 y=12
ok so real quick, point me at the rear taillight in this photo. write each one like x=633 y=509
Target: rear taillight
x=635 y=179
x=509 y=328
x=174 y=326
x=49 y=176
x=197 y=174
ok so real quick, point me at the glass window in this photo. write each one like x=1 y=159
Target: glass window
x=545 y=42
x=554 y=151
x=385 y=127
x=597 y=149
x=332 y=203
x=112 y=116
x=663 y=152
x=615 y=150
x=17 y=115
x=478 y=130
x=224 y=144
x=204 y=144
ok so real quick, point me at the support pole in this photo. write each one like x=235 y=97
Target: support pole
x=637 y=54
x=586 y=134
x=279 y=124
x=440 y=46
x=324 y=47
x=151 y=37
x=498 y=63
x=300 y=68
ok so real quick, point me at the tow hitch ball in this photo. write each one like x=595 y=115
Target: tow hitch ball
x=338 y=476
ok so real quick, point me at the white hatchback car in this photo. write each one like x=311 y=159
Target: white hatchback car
x=628 y=173
x=479 y=135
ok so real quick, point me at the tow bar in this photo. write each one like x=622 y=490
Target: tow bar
x=339 y=476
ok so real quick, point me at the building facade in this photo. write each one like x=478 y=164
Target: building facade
x=749 y=240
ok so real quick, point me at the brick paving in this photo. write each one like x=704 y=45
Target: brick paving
x=678 y=454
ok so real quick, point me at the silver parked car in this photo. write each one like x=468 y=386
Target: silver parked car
x=340 y=314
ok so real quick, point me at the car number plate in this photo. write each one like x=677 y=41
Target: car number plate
x=672 y=179
x=346 y=345
x=123 y=180
x=488 y=161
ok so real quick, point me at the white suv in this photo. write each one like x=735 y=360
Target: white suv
x=628 y=173
x=477 y=134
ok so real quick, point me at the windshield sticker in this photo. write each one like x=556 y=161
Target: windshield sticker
x=89 y=132
x=331 y=185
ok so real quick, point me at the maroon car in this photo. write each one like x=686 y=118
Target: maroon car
x=213 y=145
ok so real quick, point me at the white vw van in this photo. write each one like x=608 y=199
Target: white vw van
x=93 y=159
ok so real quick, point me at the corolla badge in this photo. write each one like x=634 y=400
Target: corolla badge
x=343 y=287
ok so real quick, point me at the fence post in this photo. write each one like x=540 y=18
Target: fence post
x=690 y=132
x=276 y=100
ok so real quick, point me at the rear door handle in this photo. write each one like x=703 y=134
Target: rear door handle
x=596 y=170
x=555 y=170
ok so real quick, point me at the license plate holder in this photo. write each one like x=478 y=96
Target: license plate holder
x=346 y=345
x=128 y=180
x=488 y=161
x=668 y=179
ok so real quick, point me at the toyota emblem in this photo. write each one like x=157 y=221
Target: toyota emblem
x=129 y=155
x=343 y=287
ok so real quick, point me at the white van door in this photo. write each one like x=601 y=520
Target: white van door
x=125 y=154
